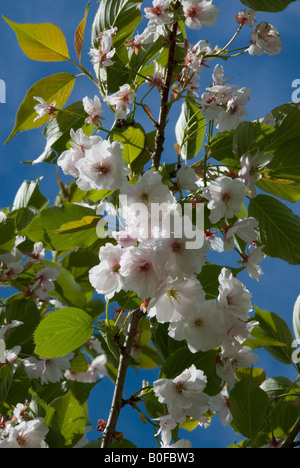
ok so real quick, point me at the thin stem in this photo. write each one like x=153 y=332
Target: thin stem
x=109 y=431
x=164 y=108
x=233 y=38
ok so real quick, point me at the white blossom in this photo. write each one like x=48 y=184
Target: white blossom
x=159 y=13
x=203 y=328
x=184 y=395
x=139 y=271
x=43 y=108
x=175 y=299
x=199 y=13
x=243 y=228
x=102 y=168
x=246 y=17
x=225 y=196
x=121 y=100
x=251 y=165
x=252 y=259
x=265 y=38
x=27 y=434
x=105 y=277
x=234 y=298
x=220 y=403
x=93 y=108
x=79 y=144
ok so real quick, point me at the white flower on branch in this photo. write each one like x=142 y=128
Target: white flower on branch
x=121 y=100
x=225 y=197
x=202 y=328
x=184 y=395
x=102 y=168
x=199 y=13
x=265 y=38
x=160 y=12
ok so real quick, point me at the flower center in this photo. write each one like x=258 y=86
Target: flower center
x=198 y=323
x=145 y=268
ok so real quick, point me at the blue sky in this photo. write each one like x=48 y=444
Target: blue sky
x=270 y=80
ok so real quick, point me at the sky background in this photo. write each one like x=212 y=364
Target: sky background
x=270 y=80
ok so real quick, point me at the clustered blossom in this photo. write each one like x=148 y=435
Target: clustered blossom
x=147 y=257
x=224 y=104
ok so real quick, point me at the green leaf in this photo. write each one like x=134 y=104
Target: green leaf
x=277 y=329
x=279 y=228
x=69 y=419
x=7 y=234
x=280 y=188
x=296 y=318
x=14 y=385
x=245 y=136
x=190 y=130
x=248 y=404
x=133 y=140
x=26 y=312
x=43 y=42
x=57 y=132
x=62 y=331
x=258 y=375
x=221 y=148
x=45 y=226
x=29 y=195
x=267 y=5
x=79 y=225
x=79 y=34
x=277 y=386
x=55 y=88
x=123 y=14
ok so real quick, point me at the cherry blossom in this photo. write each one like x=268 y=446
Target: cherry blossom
x=184 y=395
x=102 y=168
x=265 y=38
x=202 y=328
x=160 y=12
x=199 y=13
x=93 y=108
x=251 y=165
x=246 y=17
x=121 y=100
x=225 y=197
x=175 y=299
x=44 y=108
x=105 y=277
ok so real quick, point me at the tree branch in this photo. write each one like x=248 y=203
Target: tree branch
x=162 y=121
x=118 y=402
x=289 y=443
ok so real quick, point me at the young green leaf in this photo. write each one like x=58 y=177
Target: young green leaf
x=43 y=42
x=62 y=332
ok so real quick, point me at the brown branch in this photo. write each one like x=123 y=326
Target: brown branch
x=162 y=121
x=289 y=443
x=118 y=402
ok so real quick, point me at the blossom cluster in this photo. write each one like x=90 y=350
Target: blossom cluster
x=151 y=255
x=22 y=430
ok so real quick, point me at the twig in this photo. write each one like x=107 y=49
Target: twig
x=162 y=121
x=289 y=443
x=117 y=402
